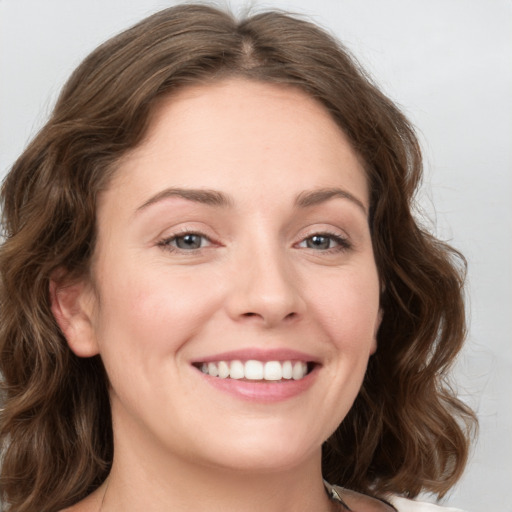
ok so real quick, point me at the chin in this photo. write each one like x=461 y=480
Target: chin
x=264 y=462
x=265 y=453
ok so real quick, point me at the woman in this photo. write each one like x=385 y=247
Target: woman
x=214 y=294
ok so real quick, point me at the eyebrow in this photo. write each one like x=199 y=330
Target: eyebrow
x=204 y=196
x=315 y=197
x=209 y=197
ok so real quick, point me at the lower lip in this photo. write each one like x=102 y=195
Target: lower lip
x=263 y=392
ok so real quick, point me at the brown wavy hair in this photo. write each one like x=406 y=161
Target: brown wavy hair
x=407 y=432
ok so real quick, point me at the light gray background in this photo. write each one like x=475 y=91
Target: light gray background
x=448 y=63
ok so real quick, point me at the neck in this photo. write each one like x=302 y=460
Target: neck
x=139 y=480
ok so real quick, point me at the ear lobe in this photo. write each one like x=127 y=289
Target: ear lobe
x=72 y=305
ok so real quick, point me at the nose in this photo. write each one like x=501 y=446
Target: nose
x=265 y=290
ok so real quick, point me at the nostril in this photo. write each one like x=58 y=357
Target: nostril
x=289 y=316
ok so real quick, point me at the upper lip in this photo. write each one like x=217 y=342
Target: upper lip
x=258 y=354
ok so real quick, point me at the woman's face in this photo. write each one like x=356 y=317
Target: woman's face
x=237 y=231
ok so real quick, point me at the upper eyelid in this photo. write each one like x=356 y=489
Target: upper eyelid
x=334 y=236
x=327 y=230
x=343 y=240
x=211 y=234
x=166 y=244
x=186 y=232
x=186 y=229
x=176 y=235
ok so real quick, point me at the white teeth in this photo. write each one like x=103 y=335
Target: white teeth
x=299 y=370
x=253 y=370
x=213 y=370
x=273 y=371
x=256 y=370
x=287 y=370
x=236 y=370
x=223 y=369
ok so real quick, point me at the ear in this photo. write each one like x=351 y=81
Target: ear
x=378 y=321
x=73 y=305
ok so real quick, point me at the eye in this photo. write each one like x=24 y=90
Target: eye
x=185 y=242
x=325 y=242
x=319 y=242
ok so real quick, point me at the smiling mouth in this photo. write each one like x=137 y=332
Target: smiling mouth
x=253 y=370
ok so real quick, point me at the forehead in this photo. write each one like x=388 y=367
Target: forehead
x=237 y=133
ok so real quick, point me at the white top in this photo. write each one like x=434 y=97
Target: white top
x=405 y=505
x=401 y=504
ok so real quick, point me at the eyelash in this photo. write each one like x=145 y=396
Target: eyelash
x=166 y=242
x=342 y=243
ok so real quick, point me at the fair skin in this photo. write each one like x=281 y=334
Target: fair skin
x=237 y=230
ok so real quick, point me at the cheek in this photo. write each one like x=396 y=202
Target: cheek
x=146 y=319
x=153 y=311
x=347 y=307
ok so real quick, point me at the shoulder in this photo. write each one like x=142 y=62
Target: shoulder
x=360 y=502
x=405 y=505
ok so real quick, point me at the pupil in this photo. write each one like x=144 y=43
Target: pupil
x=189 y=242
x=319 y=242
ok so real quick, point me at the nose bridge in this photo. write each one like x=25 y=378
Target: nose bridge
x=265 y=285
